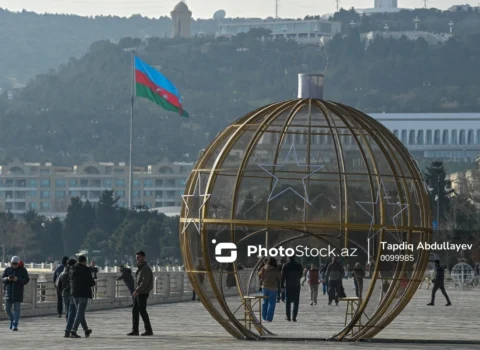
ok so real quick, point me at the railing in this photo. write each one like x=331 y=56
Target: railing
x=169 y=286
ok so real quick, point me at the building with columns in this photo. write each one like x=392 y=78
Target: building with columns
x=181 y=21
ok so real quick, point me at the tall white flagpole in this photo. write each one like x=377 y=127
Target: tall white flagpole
x=130 y=164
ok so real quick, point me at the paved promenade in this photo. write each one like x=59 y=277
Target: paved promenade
x=187 y=325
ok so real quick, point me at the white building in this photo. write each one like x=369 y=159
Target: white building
x=302 y=31
x=431 y=38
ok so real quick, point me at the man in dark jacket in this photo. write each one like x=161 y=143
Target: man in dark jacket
x=144 y=285
x=280 y=293
x=439 y=283
x=14 y=278
x=126 y=276
x=57 y=273
x=292 y=273
x=81 y=283
x=334 y=276
x=63 y=283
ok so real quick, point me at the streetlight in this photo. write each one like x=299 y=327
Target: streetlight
x=450 y=24
x=386 y=27
x=416 y=20
x=448 y=190
x=352 y=24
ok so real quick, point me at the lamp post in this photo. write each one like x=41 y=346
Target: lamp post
x=416 y=20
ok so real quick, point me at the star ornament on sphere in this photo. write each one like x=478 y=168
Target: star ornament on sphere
x=196 y=222
x=402 y=207
x=273 y=195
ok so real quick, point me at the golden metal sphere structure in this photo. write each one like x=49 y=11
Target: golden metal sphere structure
x=313 y=173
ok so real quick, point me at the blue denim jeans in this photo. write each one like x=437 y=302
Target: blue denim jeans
x=15 y=315
x=268 y=307
x=76 y=314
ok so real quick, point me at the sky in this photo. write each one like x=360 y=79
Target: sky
x=206 y=8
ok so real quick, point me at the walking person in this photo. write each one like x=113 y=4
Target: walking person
x=63 y=284
x=14 y=278
x=313 y=278
x=144 y=285
x=323 y=272
x=58 y=271
x=269 y=276
x=280 y=293
x=291 y=275
x=81 y=283
x=439 y=283
x=358 y=276
x=334 y=275
x=305 y=271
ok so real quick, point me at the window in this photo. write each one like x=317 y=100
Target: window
x=436 y=137
x=404 y=137
x=60 y=183
x=454 y=137
x=136 y=194
x=429 y=137
x=32 y=183
x=182 y=182
x=462 y=137
x=136 y=183
x=45 y=183
x=420 y=138
x=107 y=183
x=32 y=205
x=119 y=182
x=74 y=193
x=31 y=193
x=411 y=137
x=470 y=140
x=44 y=194
x=148 y=183
x=59 y=194
x=120 y=193
x=73 y=183
x=45 y=205
x=395 y=132
x=147 y=193
x=445 y=137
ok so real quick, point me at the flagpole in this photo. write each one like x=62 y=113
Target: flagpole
x=130 y=175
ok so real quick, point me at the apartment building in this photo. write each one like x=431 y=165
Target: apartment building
x=47 y=188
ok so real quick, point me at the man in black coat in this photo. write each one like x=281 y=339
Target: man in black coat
x=14 y=278
x=57 y=273
x=292 y=273
x=81 y=283
x=439 y=283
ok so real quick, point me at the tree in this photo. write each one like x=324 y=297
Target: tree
x=106 y=212
x=25 y=239
x=440 y=188
x=74 y=229
x=7 y=233
x=89 y=216
x=148 y=237
x=52 y=241
x=94 y=239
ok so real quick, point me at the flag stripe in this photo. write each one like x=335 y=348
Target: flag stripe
x=141 y=78
x=156 y=77
x=147 y=92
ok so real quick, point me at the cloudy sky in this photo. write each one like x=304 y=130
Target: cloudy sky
x=205 y=8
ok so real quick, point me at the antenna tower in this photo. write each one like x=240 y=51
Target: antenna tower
x=425 y=3
x=276 y=9
x=338 y=4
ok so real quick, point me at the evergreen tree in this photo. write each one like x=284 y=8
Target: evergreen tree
x=106 y=212
x=74 y=229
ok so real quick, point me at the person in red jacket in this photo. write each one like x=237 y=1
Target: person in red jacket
x=313 y=278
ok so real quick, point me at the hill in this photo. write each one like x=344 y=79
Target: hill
x=81 y=111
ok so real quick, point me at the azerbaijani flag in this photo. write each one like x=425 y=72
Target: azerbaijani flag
x=152 y=85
